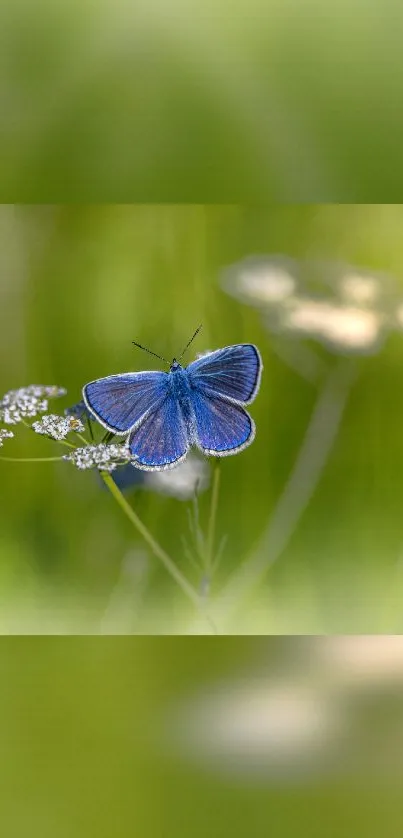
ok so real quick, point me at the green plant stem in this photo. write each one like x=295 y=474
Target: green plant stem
x=82 y=438
x=30 y=459
x=64 y=442
x=158 y=551
x=213 y=518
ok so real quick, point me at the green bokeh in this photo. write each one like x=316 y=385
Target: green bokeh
x=78 y=284
x=85 y=725
x=280 y=100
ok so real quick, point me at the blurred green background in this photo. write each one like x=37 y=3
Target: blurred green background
x=282 y=101
x=94 y=734
x=78 y=284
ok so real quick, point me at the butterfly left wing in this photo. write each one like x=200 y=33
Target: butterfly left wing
x=161 y=440
x=232 y=373
x=120 y=402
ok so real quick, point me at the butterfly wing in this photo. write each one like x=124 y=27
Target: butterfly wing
x=120 y=402
x=232 y=373
x=161 y=440
x=222 y=427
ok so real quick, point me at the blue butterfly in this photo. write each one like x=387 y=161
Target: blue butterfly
x=165 y=413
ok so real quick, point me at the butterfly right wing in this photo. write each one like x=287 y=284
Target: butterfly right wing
x=231 y=373
x=121 y=402
x=222 y=382
x=222 y=427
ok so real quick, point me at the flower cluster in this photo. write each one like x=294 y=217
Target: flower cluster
x=5 y=435
x=27 y=402
x=348 y=309
x=343 y=327
x=57 y=427
x=102 y=456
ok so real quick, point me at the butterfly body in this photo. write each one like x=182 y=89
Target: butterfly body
x=165 y=413
x=183 y=392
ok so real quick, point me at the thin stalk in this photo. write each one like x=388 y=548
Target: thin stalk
x=305 y=476
x=65 y=442
x=30 y=459
x=158 y=551
x=213 y=518
x=83 y=439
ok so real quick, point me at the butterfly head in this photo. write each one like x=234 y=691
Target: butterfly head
x=175 y=366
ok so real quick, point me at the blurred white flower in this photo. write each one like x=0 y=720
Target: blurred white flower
x=25 y=407
x=362 y=660
x=349 y=328
x=183 y=480
x=102 y=456
x=269 y=286
x=50 y=391
x=58 y=427
x=348 y=309
x=5 y=435
x=399 y=317
x=261 y=281
x=275 y=726
x=27 y=402
x=360 y=289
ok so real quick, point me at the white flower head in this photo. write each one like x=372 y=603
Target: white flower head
x=345 y=328
x=359 y=289
x=27 y=402
x=58 y=427
x=262 y=281
x=5 y=435
x=273 y=726
x=102 y=456
x=349 y=309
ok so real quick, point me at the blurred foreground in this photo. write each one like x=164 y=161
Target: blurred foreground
x=166 y=737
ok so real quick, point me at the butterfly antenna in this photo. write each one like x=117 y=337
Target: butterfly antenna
x=191 y=341
x=149 y=351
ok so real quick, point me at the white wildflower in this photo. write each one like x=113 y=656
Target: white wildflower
x=263 y=281
x=271 y=285
x=275 y=726
x=50 y=391
x=58 y=427
x=27 y=402
x=102 y=456
x=360 y=289
x=399 y=316
x=345 y=327
x=25 y=407
x=5 y=435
